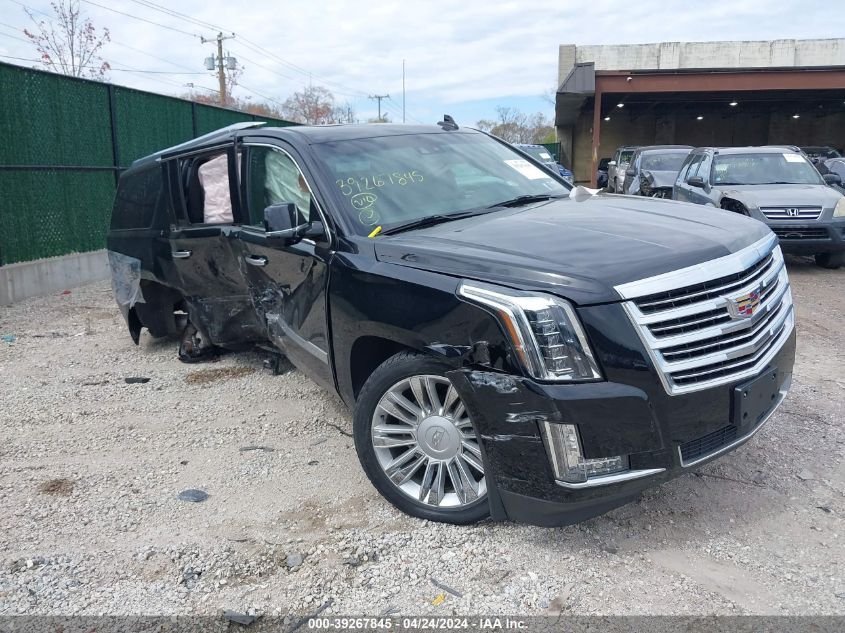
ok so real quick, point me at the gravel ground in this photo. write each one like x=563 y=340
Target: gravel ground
x=91 y=468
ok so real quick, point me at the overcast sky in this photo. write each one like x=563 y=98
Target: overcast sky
x=463 y=57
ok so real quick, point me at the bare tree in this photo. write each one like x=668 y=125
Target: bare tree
x=313 y=105
x=231 y=77
x=514 y=126
x=70 y=44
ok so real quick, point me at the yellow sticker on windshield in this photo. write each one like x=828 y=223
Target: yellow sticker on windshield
x=526 y=169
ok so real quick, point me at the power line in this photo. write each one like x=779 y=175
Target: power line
x=379 y=98
x=254 y=46
x=177 y=14
x=345 y=90
x=12 y=37
x=263 y=96
x=400 y=109
x=135 y=17
x=138 y=50
x=87 y=67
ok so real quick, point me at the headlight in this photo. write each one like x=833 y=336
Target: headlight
x=544 y=330
x=839 y=209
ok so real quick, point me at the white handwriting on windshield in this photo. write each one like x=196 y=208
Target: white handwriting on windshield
x=362 y=184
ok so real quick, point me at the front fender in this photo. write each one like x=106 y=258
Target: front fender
x=412 y=309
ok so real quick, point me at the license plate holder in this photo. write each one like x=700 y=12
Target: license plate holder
x=755 y=398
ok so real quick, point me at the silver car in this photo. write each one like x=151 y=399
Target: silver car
x=776 y=185
x=617 y=166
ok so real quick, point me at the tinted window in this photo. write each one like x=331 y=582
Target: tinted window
x=762 y=169
x=392 y=180
x=705 y=167
x=538 y=152
x=275 y=179
x=670 y=161
x=682 y=175
x=135 y=202
x=625 y=156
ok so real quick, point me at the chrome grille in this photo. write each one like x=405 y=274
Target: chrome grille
x=695 y=322
x=791 y=213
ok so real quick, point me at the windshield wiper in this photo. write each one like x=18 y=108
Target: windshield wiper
x=430 y=220
x=523 y=200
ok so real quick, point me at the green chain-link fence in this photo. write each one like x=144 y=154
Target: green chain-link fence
x=62 y=143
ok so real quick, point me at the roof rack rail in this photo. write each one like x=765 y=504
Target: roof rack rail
x=243 y=125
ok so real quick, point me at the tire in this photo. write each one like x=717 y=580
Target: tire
x=451 y=451
x=831 y=261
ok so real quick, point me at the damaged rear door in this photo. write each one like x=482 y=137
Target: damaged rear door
x=287 y=282
x=203 y=243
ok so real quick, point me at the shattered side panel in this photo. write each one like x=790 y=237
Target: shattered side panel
x=227 y=321
x=288 y=297
x=125 y=280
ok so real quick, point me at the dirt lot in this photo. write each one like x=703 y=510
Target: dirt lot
x=90 y=470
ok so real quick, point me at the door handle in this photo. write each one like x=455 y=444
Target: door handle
x=181 y=254
x=255 y=260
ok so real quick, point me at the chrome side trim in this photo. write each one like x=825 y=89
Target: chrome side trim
x=295 y=338
x=737 y=442
x=705 y=271
x=607 y=480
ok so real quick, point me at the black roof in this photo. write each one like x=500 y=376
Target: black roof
x=310 y=134
x=314 y=134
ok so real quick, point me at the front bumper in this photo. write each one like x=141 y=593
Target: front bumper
x=630 y=414
x=807 y=238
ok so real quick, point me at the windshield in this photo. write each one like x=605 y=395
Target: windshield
x=391 y=180
x=625 y=157
x=762 y=169
x=664 y=162
x=537 y=152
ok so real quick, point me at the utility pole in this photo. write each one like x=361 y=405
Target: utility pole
x=403 y=91
x=221 y=63
x=379 y=98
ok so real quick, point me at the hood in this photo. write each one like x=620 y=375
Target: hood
x=662 y=178
x=755 y=196
x=579 y=250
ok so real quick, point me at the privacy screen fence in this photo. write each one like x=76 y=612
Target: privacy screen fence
x=64 y=142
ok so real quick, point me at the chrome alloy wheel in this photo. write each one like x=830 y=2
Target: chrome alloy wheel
x=425 y=443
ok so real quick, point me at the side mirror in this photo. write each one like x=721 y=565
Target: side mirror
x=696 y=181
x=630 y=171
x=612 y=163
x=833 y=179
x=282 y=221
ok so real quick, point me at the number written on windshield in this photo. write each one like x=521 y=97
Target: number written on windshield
x=361 y=184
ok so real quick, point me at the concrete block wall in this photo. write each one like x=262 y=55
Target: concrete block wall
x=54 y=274
x=677 y=55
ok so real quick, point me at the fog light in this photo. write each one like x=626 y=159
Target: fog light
x=567 y=459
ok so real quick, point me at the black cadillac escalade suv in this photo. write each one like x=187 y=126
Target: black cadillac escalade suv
x=510 y=347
